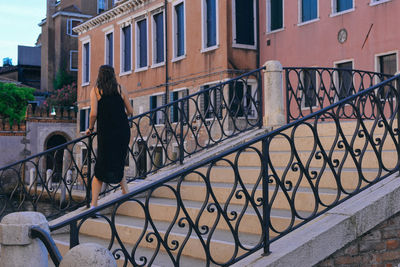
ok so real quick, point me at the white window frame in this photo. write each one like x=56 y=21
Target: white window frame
x=334 y=7
x=105 y=5
x=336 y=77
x=234 y=44
x=268 y=17
x=159 y=113
x=86 y=41
x=106 y=52
x=375 y=2
x=378 y=66
x=174 y=25
x=204 y=47
x=87 y=119
x=154 y=37
x=70 y=60
x=179 y=91
x=70 y=32
x=137 y=39
x=121 y=54
x=300 y=9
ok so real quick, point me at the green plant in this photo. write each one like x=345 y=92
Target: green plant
x=14 y=100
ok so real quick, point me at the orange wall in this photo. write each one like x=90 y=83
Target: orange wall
x=316 y=44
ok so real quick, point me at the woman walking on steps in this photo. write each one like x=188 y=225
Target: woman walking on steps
x=110 y=107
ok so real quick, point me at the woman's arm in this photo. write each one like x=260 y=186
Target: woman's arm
x=128 y=106
x=93 y=111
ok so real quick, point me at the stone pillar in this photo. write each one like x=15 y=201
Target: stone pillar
x=274 y=112
x=17 y=248
x=88 y=255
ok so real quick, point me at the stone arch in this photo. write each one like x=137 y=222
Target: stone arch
x=54 y=160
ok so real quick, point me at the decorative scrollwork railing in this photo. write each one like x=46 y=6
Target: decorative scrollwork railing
x=311 y=89
x=275 y=184
x=58 y=180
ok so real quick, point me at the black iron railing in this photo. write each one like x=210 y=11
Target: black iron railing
x=311 y=89
x=291 y=183
x=58 y=180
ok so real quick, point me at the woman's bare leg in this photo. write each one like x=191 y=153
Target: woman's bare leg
x=96 y=187
x=124 y=186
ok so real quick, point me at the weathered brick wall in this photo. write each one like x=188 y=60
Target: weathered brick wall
x=378 y=247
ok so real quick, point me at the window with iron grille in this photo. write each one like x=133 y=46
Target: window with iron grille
x=176 y=108
x=345 y=85
x=211 y=102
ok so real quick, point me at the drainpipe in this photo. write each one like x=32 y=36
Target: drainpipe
x=166 y=51
x=258 y=32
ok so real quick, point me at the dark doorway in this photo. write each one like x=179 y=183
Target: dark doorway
x=54 y=160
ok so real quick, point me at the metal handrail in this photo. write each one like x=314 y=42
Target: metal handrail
x=48 y=241
x=374 y=132
x=60 y=177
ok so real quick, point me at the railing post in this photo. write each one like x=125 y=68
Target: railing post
x=265 y=188
x=89 y=255
x=17 y=247
x=89 y=171
x=181 y=150
x=274 y=112
x=73 y=235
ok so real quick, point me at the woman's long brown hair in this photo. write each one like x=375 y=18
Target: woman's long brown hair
x=106 y=81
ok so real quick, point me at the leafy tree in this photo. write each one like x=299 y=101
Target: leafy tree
x=14 y=100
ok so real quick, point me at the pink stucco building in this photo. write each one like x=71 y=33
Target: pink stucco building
x=358 y=34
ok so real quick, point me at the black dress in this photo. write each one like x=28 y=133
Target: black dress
x=113 y=135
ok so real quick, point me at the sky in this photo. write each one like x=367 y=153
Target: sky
x=19 y=21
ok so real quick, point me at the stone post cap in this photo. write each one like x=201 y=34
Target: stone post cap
x=273 y=65
x=15 y=227
x=88 y=255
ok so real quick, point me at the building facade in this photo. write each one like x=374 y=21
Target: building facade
x=59 y=42
x=357 y=34
x=164 y=50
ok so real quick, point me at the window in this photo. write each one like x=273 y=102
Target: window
x=86 y=63
x=101 y=6
x=109 y=49
x=244 y=24
x=158 y=38
x=309 y=10
x=387 y=64
x=179 y=30
x=376 y=2
x=126 y=56
x=209 y=8
x=141 y=44
x=275 y=15
x=210 y=102
x=73 y=60
x=84 y=114
x=72 y=23
x=240 y=100
x=159 y=116
x=175 y=109
x=308 y=83
x=342 y=5
x=345 y=85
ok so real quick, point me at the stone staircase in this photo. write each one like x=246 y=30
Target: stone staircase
x=130 y=216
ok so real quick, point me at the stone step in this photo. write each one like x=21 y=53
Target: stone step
x=282 y=159
x=130 y=230
x=302 y=198
x=349 y=178
x=164 y=209
x=162 y=259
